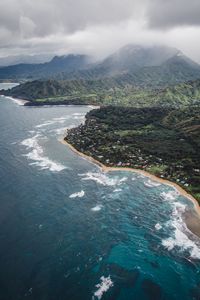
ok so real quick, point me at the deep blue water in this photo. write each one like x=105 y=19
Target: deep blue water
x=69 y=231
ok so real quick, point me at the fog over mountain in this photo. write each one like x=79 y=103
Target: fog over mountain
x=97 y=27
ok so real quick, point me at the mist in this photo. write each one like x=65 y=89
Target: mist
x=97 y=27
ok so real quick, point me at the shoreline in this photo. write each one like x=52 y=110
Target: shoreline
x=30 y=103
x=192 y=225
x=18 y=101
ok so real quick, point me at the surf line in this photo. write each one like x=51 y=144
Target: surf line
x=106 y=169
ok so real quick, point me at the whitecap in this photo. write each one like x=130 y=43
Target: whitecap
x=20 y=102
x=59 y=131
x=77 y=195
x=150 y=183
x=182 y=238
x=63 y=118
x=93 y=107
x=181 y=241
x=117 y=190
x=147 y=184
x=47 y=123
x=36 y=154
x=62 y=130
x=170 y=196
x=78 y=114
x=79 y=117
x=103 y=179
x=97 y=208
x=105 y=284
x=158 y=226
x=60 y=120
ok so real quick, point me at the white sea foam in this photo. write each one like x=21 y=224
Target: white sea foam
x=103 y=179
x=37 y=155
x=62 y=130
x=78 y=114
x=63 y=118
x=52 y=122
x=182 y=239
x=117 y=190
x=79 y=118
x=97 y=208
x=93 y=107
x=20 y=102
x=105 y=284
x=77 y=195
x=150 y=183
x=147 y=184
x=158 y=226
x=170 y=196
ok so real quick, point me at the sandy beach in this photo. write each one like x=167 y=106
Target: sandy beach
x=192 y=219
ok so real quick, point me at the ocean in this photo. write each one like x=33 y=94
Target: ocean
x=68 y=231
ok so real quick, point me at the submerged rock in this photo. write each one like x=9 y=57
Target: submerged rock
x=195 y=292
x=124 y=277
x=152 y=290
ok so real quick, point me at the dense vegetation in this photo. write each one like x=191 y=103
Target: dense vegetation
x=106 y=92
x=163 y=141
x=57 y=65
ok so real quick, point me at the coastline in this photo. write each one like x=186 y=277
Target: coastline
x=192 y=222
x=18 y=101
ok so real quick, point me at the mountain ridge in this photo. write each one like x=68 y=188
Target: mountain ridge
x=130 y=59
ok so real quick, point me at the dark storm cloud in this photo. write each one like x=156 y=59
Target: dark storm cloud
x=171 y=13
x=96 y=26
x=42 y=17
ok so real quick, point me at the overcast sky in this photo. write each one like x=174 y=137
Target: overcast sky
x=97 y=27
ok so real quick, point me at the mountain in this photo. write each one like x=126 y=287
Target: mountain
x=130 y=59
x=131 y=75
x=24 y=59
x=58 y=64
x=135 y=65
x=141 y=66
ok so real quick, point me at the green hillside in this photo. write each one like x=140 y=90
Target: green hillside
x=162 y=141
x=106 y=92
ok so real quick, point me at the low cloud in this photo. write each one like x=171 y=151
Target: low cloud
x=97 y=27
x=173 y=13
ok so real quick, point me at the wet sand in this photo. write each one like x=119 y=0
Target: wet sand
x=192 y=221
x=191 y=217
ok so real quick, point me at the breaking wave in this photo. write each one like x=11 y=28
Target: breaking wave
x=77 y=195
x=62 y=130
x=150 y=183
x=182 y=238
x=103 y=179
x=158 y=226
x=170 y=196
x=52 y=122
x=105 y=284
x=117 y=190
x=37 y=155
x=17 y=101
x=97 y=208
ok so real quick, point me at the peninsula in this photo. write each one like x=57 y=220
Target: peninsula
x=162 y=141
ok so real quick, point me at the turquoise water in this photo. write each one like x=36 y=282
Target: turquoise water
x=69 y=231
